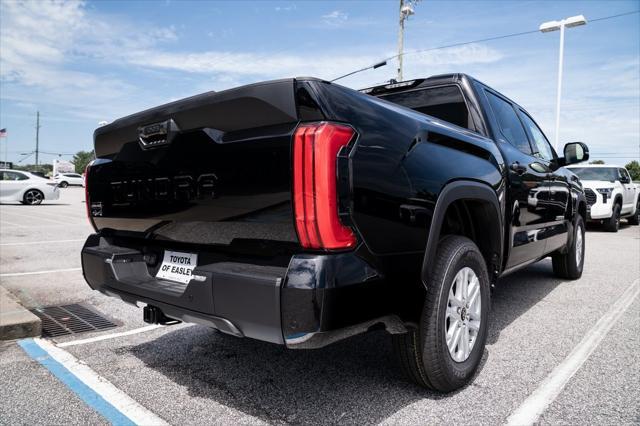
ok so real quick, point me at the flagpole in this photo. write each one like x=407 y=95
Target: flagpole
x=6 y=151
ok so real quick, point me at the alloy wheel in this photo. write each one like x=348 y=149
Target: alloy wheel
x=463 y=316
x=579 y=245
x=33 y=197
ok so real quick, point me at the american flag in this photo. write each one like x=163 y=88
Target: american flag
x=3 y=133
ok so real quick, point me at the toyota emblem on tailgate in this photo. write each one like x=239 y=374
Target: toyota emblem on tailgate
x=157 y=134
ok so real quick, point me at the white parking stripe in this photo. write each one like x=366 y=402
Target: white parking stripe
x=68 y=225
x=531 y=409
x=18 y=274
x=41 y=242
x=109 y=336
x=28 y=216
x=73 y=214
x=98 y=392
x=10 y=223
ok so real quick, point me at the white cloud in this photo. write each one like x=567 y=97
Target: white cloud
x=462 y=55
x=327 y=65
x=47 y=47
x=288 y=8
x=335 y=18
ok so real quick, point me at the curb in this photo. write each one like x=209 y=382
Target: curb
x=16 y=322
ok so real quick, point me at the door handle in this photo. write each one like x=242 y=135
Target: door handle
x=518 y=168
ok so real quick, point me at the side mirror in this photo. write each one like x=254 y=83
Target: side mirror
x=575 y=152
x=625 y=180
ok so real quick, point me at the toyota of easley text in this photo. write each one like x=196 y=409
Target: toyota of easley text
x=301 y=212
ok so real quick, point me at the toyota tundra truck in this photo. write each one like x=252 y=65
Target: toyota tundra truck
x=610 y=194
x=300 y=212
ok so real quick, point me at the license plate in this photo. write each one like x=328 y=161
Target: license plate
x=177 y=266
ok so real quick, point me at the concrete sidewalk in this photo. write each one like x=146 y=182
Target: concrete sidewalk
x=16 y=322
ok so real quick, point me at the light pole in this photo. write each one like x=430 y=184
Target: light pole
x=546 y=27
x=406 y=10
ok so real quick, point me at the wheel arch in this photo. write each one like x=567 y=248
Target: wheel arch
x=486 y=223
x=617 y=199
x=32 y=188
x=582 y=209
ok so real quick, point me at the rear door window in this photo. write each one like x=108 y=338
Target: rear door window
x=13 y=176
x=444 y=102
x=510 y=125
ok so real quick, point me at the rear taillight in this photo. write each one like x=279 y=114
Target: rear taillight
x=86 y=194
x=315 y=200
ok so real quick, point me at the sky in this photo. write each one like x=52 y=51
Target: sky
x=82 y=62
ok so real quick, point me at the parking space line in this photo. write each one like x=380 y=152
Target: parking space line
x=45 y=226
x=531 y=409
x=96 y=391
x=11 y=223
x=18 y=274
x=68 y=215
x=28 y=216
x=109 y=336
x=41 y=242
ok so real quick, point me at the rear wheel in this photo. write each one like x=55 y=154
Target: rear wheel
x=63 y=184
x=32 y=197
x=569 y=265
x=613 y=223
x=635 y=219
x=445 y=351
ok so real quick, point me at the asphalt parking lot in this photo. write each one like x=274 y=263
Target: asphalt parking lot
x=187 y=374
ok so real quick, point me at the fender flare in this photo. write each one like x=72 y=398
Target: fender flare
x=618 y=196
x=458 y=190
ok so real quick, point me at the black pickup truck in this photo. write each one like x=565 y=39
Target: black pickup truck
x=301 y=212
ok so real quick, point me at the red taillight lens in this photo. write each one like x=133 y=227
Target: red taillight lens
x=86 y=194
x=315 y=200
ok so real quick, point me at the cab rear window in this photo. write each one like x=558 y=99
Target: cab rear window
x=443 y=102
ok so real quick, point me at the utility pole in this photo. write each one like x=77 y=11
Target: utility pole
x=406 y=9
x=37 y=134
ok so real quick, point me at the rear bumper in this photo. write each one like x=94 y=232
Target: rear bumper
x=313 y=301
x=54 y=194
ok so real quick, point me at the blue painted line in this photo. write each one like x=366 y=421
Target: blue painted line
x=84 y=392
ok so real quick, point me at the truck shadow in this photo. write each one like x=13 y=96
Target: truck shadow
x=356 y=381
x=598 y=227
x=515 y=294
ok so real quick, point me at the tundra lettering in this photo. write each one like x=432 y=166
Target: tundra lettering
x=178 y=188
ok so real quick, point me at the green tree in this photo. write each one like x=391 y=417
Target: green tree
x=45 y=168
x=596 y=162
x=81 y=159
x=634 y=170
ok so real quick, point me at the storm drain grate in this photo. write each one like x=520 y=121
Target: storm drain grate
x=70 y=319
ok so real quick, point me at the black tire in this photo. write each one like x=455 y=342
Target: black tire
x=635 y=219
x=63 y=184
x=423 y=353
x=567 y=265
x=613 y=223
x=32 y=197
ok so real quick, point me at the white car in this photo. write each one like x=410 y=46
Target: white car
x=26 y=187
x=65 y=179
x=610 y=194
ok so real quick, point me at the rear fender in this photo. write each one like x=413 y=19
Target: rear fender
x=461 y=190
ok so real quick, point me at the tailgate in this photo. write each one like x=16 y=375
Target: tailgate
x=210 y=169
